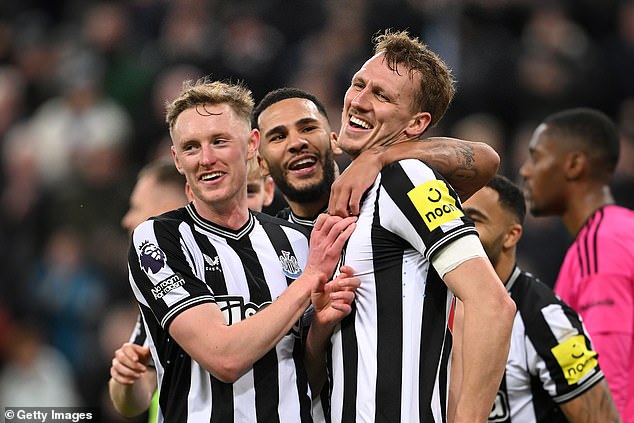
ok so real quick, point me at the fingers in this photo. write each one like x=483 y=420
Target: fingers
x=345 y=283
x=334 y=231
x=338 y=202
x=123 y=374
x=345 y=271
x=129 y=363
x=354 y=203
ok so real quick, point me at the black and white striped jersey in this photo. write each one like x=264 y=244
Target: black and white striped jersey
x=390 y=357
x=305 y=222
x=138 y=335
x=550 y=361
x=321 y=403
x=179 y=260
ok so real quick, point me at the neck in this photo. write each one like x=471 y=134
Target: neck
x=583 y=204
x=504 y=265
x=228 y=214
x=307 y=210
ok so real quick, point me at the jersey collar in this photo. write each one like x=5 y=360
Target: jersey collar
x=219 y=230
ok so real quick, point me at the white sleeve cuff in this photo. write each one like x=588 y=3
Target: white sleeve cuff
x=456 y=253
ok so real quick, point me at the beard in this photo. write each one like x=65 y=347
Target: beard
x=308 y=193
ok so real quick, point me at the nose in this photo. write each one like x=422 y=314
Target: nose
x=524 y=170
x=359 y=99
x=207 y=155
x=296 y=142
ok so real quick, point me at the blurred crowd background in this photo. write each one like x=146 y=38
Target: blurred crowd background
x=82 y=90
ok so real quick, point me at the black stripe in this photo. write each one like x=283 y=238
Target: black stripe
x=387 y=262
x=531 y=296
x=545 y=409
x=265 y=376
x=579 y=261
x=398 y=184
x=350 y=366
x=501 y=410
x=444 y=376
x=595 y=237
x=586 y=253
x=281 y=242
x=432 y=340
x=214 y=278
x=221 y=401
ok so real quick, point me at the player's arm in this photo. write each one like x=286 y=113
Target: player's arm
x=467 y=165
x=455 y=377
x=132 y=382
x=228 y=352
x=331 y=304
x=486 y=330
x=593 y=406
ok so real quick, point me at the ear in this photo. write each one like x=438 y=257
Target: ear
x=337 y=151
x=253 y=143
x=177 y=162
x=513 y=235
x=264 y=166
x=269 y=191
x=418 y=124
x=575 y=165
x=189 y=193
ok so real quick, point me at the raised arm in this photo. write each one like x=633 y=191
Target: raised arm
x=228 y=352
x=467 y=165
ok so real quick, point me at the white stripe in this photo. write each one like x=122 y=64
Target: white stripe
x=199 y=396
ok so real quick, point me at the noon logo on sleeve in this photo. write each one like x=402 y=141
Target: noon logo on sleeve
x=574 y=358
x=435 y=205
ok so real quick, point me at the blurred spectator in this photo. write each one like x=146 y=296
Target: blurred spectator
x=35 y=374
x=69 y=296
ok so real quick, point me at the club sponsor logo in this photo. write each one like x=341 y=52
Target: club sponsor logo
x=574 y=358
x=234 y=310
x=501 y=410
x=434 y=204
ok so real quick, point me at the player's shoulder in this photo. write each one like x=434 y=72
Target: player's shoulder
x=290 y=228
x=531 y=294
x=168 y=219
x=415 y=170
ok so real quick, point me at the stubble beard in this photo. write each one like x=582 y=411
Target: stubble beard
x=309 y=193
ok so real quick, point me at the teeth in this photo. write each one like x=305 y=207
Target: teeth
x=210 y=176
x=307 y=161
x=360 y=122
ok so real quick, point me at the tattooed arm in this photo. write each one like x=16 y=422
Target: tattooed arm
x=468 y=166
x=593 y=406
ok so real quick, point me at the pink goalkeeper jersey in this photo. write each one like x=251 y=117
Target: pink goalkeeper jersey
x=597 y=280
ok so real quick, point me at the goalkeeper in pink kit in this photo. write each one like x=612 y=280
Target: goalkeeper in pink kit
x=573 y=155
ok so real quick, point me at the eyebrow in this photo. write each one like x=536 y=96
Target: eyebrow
x=280 y=128
x=474 y=212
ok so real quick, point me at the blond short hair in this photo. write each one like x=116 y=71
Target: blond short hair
x=204 y=91
x=437 y=86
